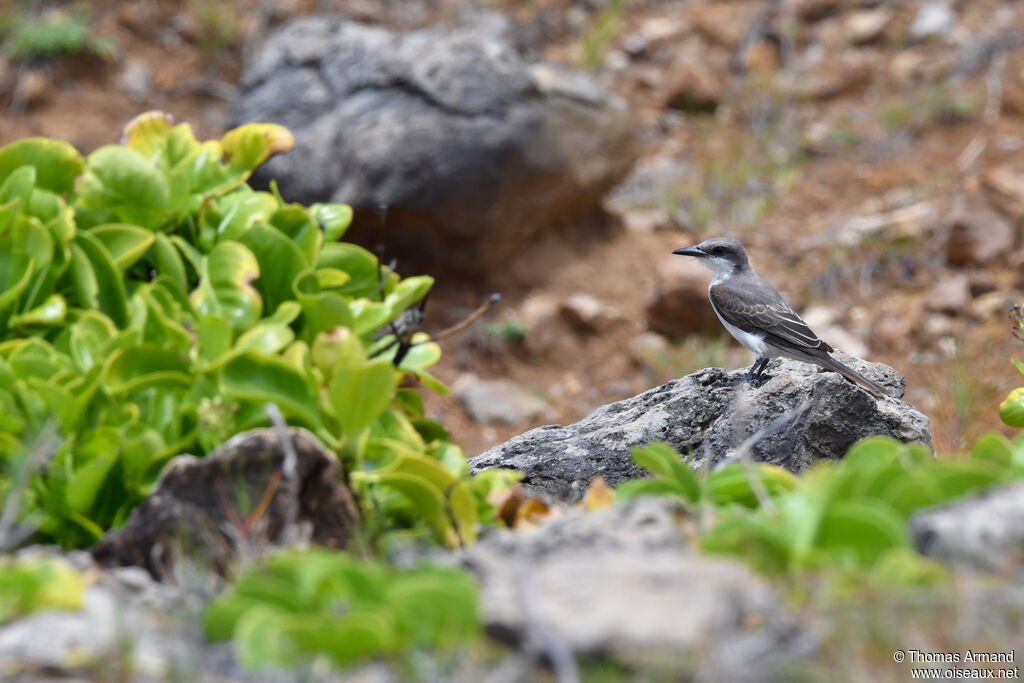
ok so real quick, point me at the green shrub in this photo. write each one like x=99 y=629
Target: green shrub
x=300 y=605
x=153 y=303
x=848 y=515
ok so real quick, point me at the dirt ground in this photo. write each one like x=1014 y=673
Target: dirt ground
x=881 y=153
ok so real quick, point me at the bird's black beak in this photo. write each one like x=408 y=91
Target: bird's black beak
x=690 y=251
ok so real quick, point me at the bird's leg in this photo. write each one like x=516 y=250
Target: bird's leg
x=760 y=372
x=754 y=373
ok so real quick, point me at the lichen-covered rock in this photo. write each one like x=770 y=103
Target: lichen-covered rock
x=709 y=414
x=237 y=494
x=471 y=149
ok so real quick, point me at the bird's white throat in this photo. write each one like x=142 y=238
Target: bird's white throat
x=722 y=268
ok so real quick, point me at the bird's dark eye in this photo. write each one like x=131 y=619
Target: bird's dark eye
x=718 y=251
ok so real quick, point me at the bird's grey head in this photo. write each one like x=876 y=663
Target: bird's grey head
x=723 y=255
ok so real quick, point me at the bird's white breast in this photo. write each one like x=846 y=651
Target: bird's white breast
x=753 y=342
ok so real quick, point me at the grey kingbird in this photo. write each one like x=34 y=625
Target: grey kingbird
x=758 y=317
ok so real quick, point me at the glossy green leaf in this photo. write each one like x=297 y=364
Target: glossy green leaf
x=126 y=244
x=214 y=336
x=360 y=393
x=14 y=194
x=50 y=312
x=148 y=133
x=628 y=490
x=663 y=460
x=242 y=209
x=266 y=379
x=735 y=483
x=360 y=264
x=321 y=311
x=1011 y=410
x=225 y=285
x=248 y=146
x=90 y=336
x=121 y=179
x=97 y=281
x=995 y=448
x=280 y=262
x=141 y=367
x=56 y=162
x=334 y=219
x=865 y=529
x=168 y=261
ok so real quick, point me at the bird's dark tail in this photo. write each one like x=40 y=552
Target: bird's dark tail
x=849 y=373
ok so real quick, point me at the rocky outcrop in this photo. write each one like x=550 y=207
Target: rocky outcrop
x=709 y=414
x=241 y=493
x=469 y=148
x=985 y=531
x=623 y=582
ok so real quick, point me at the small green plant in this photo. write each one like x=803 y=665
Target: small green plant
x=322 y=603
x=37 y=583
x=56 y=33
x=511 y=330
x=219 y=25
x=597 y=40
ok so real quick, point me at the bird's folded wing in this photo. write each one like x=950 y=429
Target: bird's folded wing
x=759 y=309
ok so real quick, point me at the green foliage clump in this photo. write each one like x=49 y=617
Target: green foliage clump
x=38 y=583
x=845 y=515
x=153 y=303
x=300 y=605
x=55 y=34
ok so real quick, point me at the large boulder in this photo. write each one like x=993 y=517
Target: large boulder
x=802 y=414
x=624 y=582
x=471 y=150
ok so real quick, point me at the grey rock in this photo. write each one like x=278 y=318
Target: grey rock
x=586 y=314
x=498 y=401
x=977 y=235
x=709 y=414
x=865 y=26
x=135 y=79
x=985 y=531
x=933 y=18
x=951 y=294
x=198 y=502
x=471 y=149
x=623 y=582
